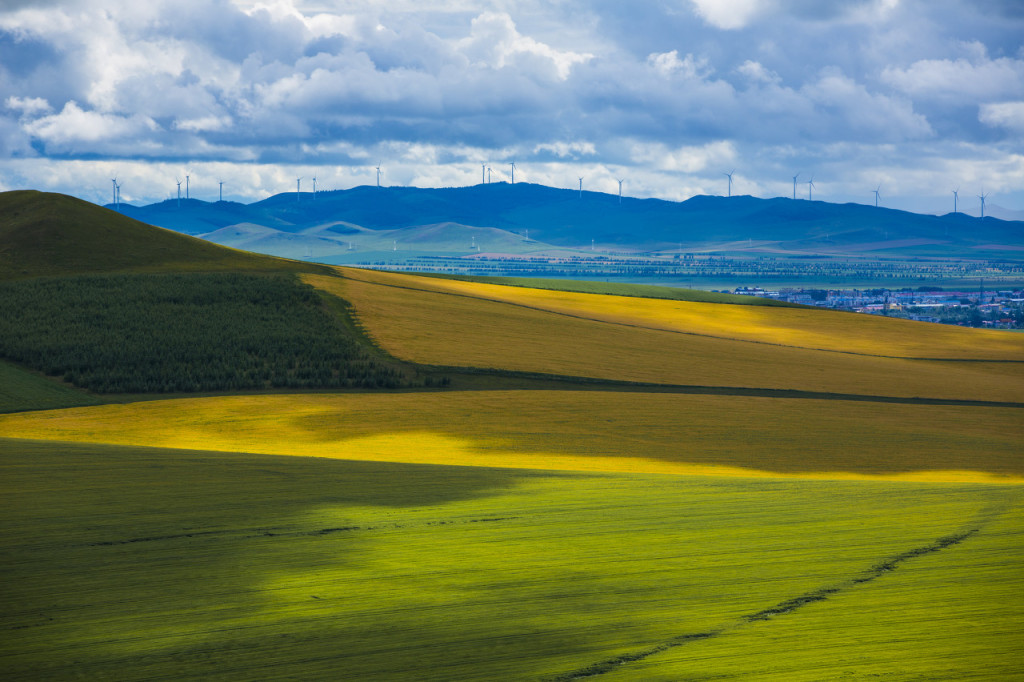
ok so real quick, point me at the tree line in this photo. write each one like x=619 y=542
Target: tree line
x=159 y=333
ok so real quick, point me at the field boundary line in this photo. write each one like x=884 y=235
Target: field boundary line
x=597 y=384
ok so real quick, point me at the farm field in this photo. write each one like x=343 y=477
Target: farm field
x=571 y=430
x=418 y=320
x=137 y=563
x=480 y=482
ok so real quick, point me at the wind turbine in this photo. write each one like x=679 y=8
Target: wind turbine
x=117 y=195
x=794 y=184
x=113 y=191
x=956 y=192
x=876 y=195
x=581 y=187
x=513 y=164
x=488 y=175
x=982 y=197
x=729 y=175
x=620 y=189
x=810 y=187
x=483 y=173
x=378 y=174
x=186 y=186
x=298 y=184
x=314 y=188
x=221 y=183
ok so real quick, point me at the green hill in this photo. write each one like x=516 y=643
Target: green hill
x=45 y=234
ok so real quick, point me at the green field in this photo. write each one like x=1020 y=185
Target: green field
x=175 y=564
x=610 y=487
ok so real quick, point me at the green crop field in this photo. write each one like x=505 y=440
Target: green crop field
x=611 y=486
x=136 y=563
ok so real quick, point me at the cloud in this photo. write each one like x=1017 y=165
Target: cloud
x=729 y=14
x=1009 y=115
x=30 y=107
x=75 y=125
x=668 y=64
x=566 y=88
x=960 y=80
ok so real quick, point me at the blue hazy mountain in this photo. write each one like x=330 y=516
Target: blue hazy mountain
x=567 y=218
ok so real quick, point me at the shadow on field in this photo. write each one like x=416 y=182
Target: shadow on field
x=177 y=541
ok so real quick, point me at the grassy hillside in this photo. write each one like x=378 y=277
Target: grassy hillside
x=23 y=390
x=43 y=234
x=462 y=324
x=139 y=563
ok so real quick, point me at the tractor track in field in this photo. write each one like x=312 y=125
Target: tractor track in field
x=781 y=609
x=256 y=533
x=680 y=332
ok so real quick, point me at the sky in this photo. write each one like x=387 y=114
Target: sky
x=915 y=98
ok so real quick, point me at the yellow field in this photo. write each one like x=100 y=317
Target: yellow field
x=572 y=430
x=797 y=327
x=426 y=325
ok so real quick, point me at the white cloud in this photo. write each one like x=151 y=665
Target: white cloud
x=74 y=124
x=494 y=42
x=687 y=159
x=668 y=64
x=1009 y=115
x=29 y=107
x=729 y=14
x=960 y=80
x=755 y=71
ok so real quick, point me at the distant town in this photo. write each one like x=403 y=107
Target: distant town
x=1000 y=309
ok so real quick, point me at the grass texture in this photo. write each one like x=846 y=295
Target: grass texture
x=24 y=390
x=139 y=563
x=45 y=234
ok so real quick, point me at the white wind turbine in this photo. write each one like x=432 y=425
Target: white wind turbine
x=298 y=185
x=621 y=180
x=794 y=184
x=982 y=196
x=513 y=164
x=810 y=188
x=956 y=194
x=876 y=195
x=378 y=174
x=581 y=187
x=179 y=191
x=729 y=175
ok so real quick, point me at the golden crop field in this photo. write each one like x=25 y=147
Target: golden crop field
x=437 y=328
x=797 y=327
x=571 y=430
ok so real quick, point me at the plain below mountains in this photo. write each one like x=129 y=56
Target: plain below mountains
x=526 y=218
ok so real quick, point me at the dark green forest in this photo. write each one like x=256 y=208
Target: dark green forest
x=161 y=333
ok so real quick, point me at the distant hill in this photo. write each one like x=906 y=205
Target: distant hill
x=54 y=234
x=368 y=217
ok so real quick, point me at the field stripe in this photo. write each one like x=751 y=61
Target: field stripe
x=780 y=609
x=631 y=325
x=597 y=384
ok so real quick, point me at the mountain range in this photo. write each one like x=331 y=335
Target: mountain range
x=501 y=218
